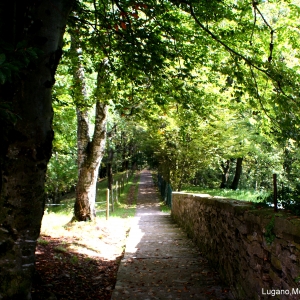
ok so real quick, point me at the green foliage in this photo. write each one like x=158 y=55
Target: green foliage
x=60 y=249
x=245 y=195
x=287 y=198
x=165 y=208
x=74 y=260
x=62 y=171
x=122 y=209
x=64 y=208
x=42 y=242
x=269 y=231
x=61 y=175
x=186 y=94
x=14 y=59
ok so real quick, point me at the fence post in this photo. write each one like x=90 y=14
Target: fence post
x=275 y=192
x=117 y=191
x=169 y=195
x=107 y=204
x=165 y=190
x=112 y=192
x=112 y=200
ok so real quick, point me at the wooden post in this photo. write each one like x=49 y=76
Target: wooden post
x=112 y=200
x=107 y=204
x=116 y=191
x=112 y=194
x=275 y=192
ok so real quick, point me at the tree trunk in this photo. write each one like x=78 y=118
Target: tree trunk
x=124 y=144
x=26 y=140
x=90 y=152
x=225 y=174
x=84 y=208
x=238 y=172
x=109 y=168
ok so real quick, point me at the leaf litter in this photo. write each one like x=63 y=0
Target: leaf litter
x=79 y=260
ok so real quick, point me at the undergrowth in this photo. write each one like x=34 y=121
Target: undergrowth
x=245 y=195
x=287 y=198
x=98 y=237
x=66 y=206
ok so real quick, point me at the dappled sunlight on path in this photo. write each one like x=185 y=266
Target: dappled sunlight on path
x=160 y=262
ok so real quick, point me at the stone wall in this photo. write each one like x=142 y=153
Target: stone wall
x=255 y=251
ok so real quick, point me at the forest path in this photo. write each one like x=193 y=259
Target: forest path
x=160 y=262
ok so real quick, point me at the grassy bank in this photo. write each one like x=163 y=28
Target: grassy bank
x=56 y=220
x=246 y=195
x=80 y=260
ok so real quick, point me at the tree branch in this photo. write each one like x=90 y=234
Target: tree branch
x=271 y=32
x=248 y=61
x=260 y=101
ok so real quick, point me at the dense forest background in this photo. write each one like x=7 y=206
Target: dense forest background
x=211 y=105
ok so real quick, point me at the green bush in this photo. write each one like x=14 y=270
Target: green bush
x=61 y=176
x=287 y=198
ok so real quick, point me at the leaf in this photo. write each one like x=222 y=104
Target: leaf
x=33 y=53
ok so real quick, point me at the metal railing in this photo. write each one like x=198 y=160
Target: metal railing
x=165 y=190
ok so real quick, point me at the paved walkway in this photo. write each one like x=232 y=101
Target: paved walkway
x=160 y=262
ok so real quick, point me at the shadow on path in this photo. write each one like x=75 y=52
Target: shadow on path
x=160 y=262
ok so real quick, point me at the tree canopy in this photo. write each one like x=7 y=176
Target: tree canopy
x=208 y=82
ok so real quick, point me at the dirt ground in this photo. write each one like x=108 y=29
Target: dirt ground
x=81 y=261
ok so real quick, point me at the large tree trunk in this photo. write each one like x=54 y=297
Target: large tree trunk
x=238 y=173
x=90 y=152
x=26 y=142
x=84 y=208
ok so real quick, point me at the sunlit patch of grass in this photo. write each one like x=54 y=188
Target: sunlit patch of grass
x=102 y=186
x=74 y=259
x=123 y=211
x=121 y=208
x=164 y=208
x=42 y=242
x=60 y=249
x=101 y=237
x=53 y=223
x=65 y=207
x=245 y=195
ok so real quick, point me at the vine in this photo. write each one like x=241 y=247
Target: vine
x=269 y=231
